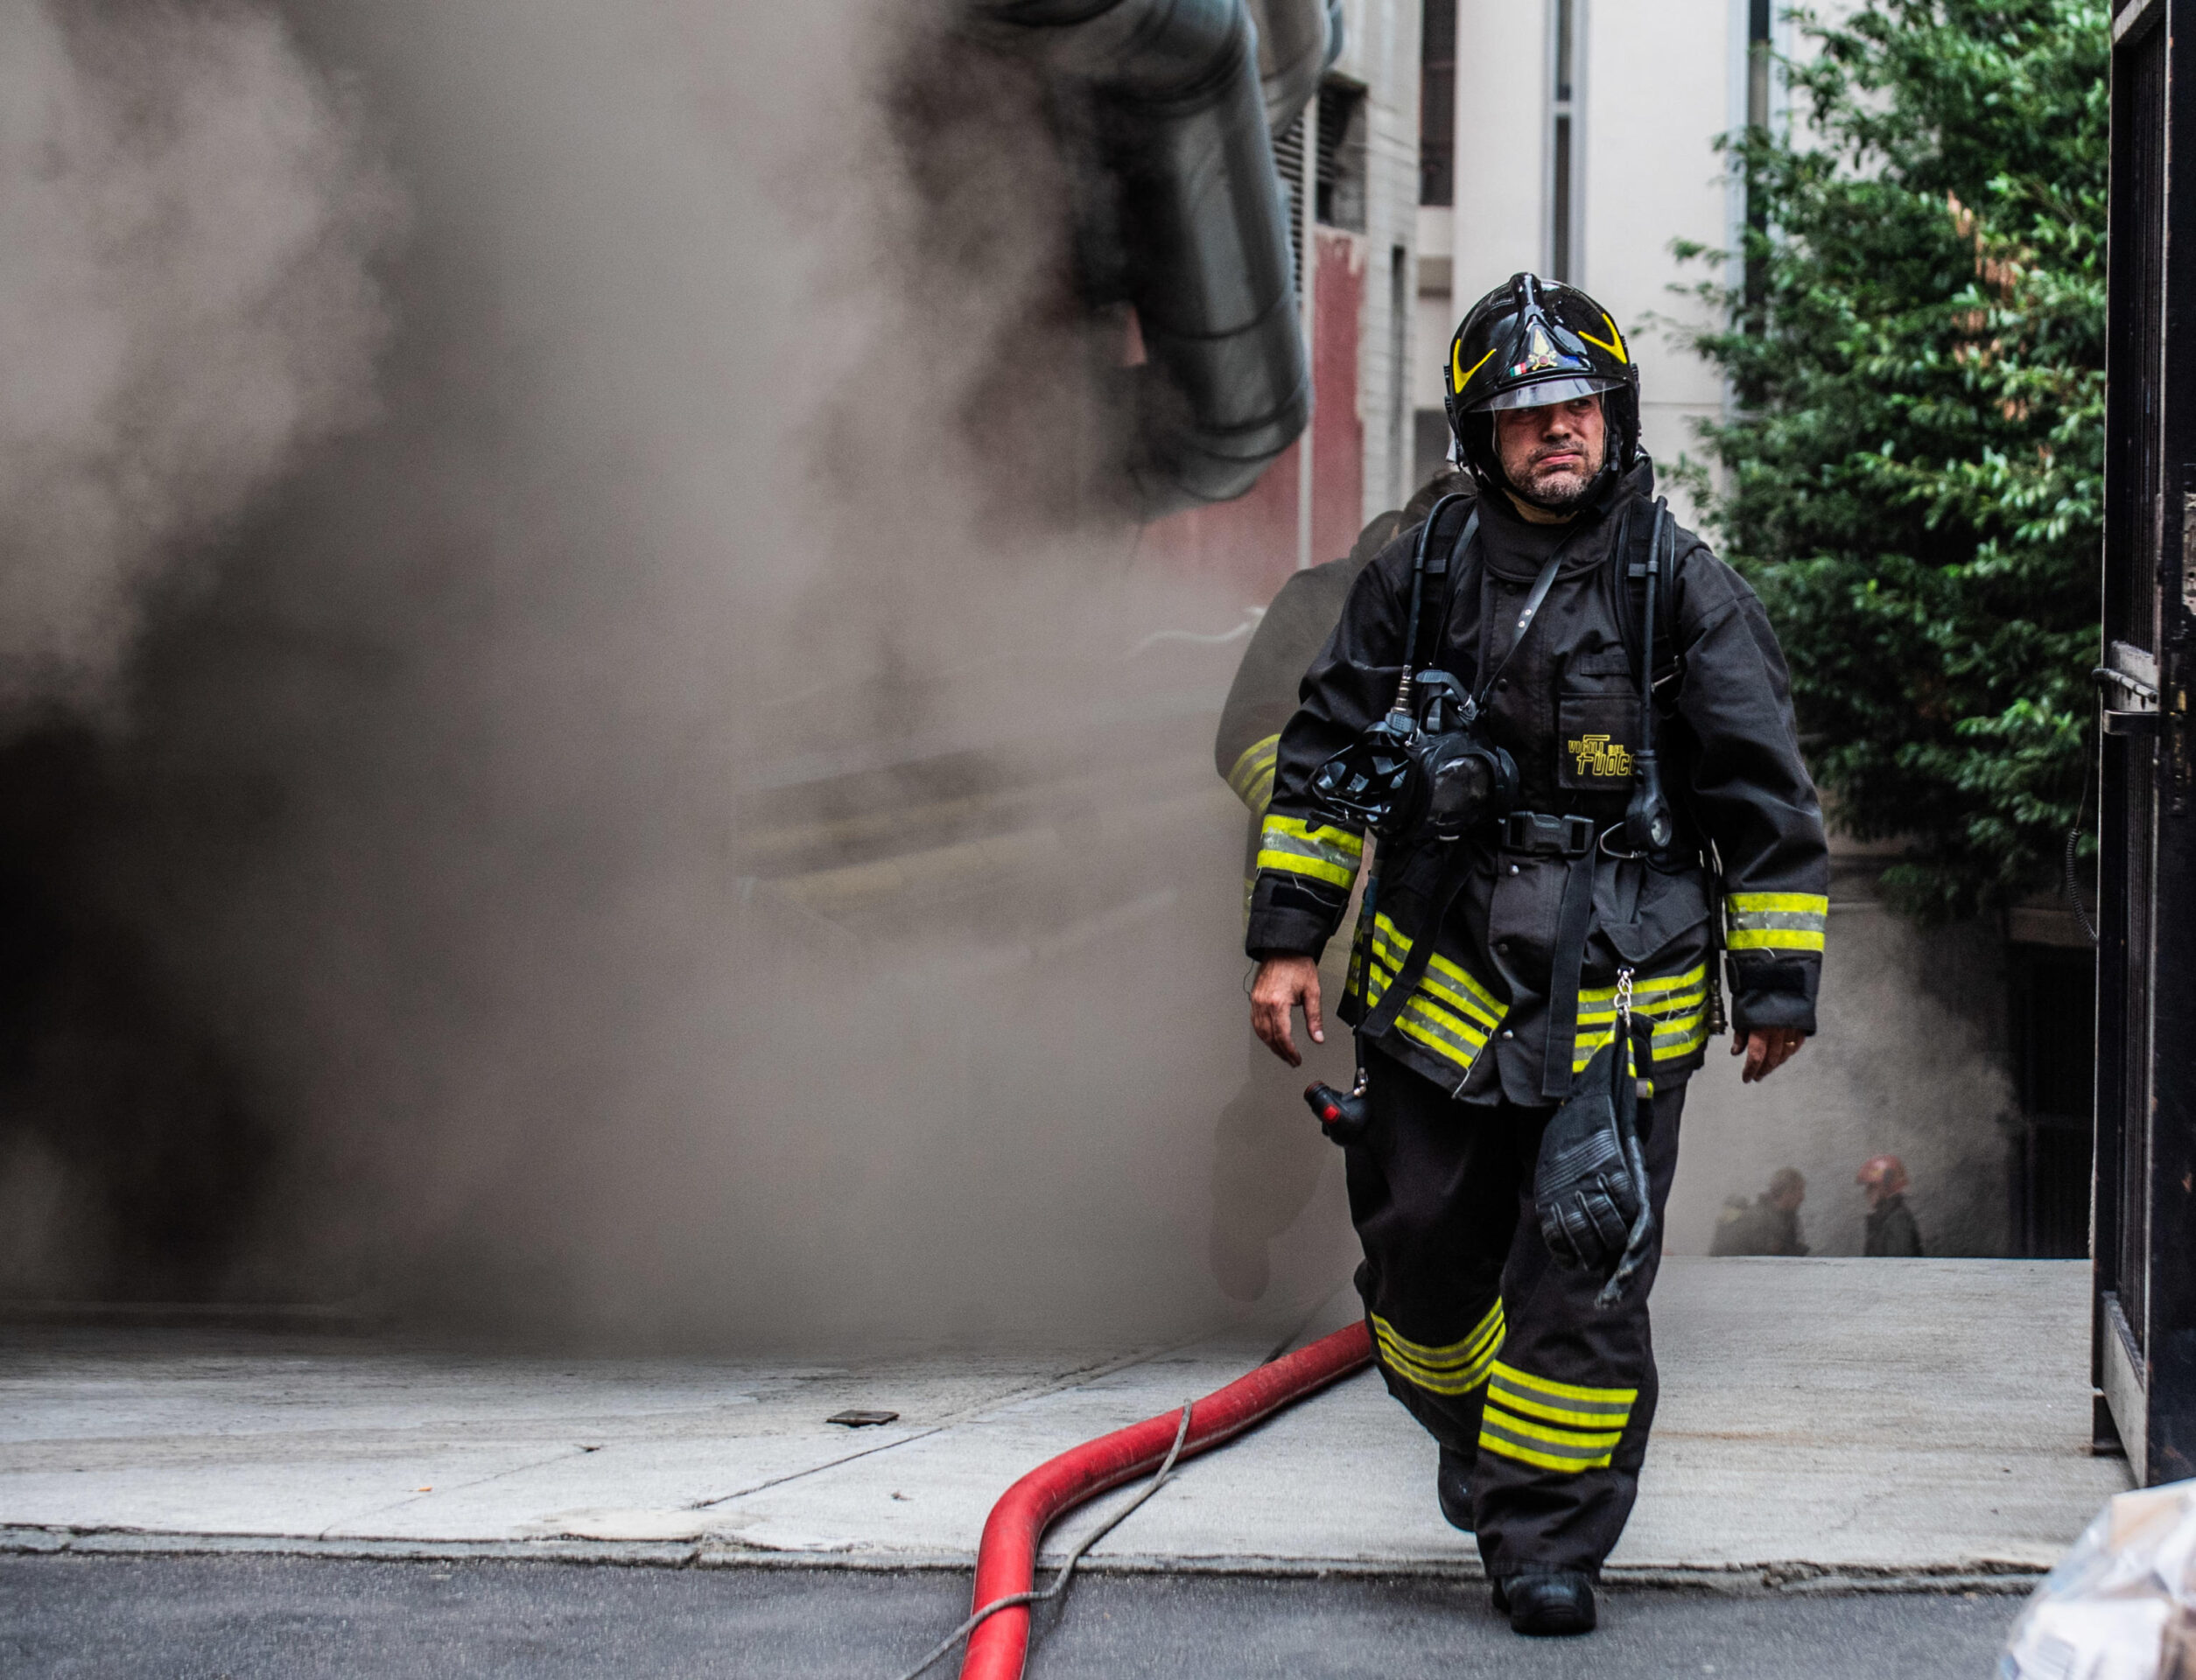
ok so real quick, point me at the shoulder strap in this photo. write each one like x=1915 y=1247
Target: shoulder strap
x=1652 y=543
x=1444 y=560
x=1666 y=586
x=1534 y=599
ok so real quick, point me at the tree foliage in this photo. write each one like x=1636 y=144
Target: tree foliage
x=1914 y=469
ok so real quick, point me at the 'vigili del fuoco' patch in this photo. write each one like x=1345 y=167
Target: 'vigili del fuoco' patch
x=1595 y=746
x=1599 y=756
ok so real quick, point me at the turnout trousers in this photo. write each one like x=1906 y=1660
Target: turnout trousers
x=1492 y=1346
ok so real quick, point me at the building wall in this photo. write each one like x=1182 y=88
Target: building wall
x=1381 y=53
x=1658 y=93
x=1651 y=87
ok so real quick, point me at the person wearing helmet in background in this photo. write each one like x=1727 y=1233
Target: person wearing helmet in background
x=1509 y=951
x=1262 y=1179
x=1891 y=1230
x=1769 y=1224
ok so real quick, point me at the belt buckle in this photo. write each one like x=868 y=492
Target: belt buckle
x=1578 y=836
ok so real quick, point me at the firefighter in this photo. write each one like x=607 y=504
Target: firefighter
x=1769 y=1224
x=1891 y=1231
x=1263 y=1178
x=1513 y=950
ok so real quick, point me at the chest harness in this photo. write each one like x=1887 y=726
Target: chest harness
x=1425 y=775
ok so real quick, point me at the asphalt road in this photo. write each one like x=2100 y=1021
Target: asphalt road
x=249 y=1617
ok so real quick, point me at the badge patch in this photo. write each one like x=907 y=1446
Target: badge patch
x=1599 y=756
x=1597 y=737
x=1541 y=355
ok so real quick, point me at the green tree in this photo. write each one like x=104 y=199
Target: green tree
x=1914 y=471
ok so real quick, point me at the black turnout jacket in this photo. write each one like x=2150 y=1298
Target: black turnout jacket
x=1566 y=707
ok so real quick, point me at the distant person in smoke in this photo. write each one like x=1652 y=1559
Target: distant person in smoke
x=1595 y=713
x=1769 y=1224
x=1891 y=1230
x=1266 y=1162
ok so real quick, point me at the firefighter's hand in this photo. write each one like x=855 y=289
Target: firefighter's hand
x=1282 y=984
x=1766 y=1049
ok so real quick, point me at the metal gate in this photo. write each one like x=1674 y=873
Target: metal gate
x=2144 y=1240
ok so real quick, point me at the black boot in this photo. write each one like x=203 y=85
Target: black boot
x=1552 y=1603
x=1452 y=1483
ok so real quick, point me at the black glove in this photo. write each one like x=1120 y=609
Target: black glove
x=1590 y=1189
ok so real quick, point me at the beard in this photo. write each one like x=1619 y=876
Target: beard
x=1559 y=493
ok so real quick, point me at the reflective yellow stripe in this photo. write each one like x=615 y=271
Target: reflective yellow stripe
x=1614 y=344
x=1813 y=904
x=1548 y=1449
x=1457 y=1369
x=1290 y=829
x=1673 y=1002
x=1682 y=1039
x=1697 y=975
x=1439 y=967
x=1587 y=1045
x=1444 y=1036
x=1457 y=374
x=1298 y=847
x=1455 y=988
x=1562 y=1402
x=1584 y=1441
x=1778 y=921
x=1773 y=938
x=1567 y=1426
x=1454 y=1036
x=1662 y=1010
x=1450 y=1012
x=1252 y=780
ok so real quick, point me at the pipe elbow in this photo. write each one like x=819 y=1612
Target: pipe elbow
x=1297 y=41
x=1214 y=412
x=1203 y=229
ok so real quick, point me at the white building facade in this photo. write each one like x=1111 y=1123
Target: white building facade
x=1582 y=146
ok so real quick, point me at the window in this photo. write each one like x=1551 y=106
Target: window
x=1563 y=148
x=1758 y=64
x=1289 y=164
x=1437 y=103
x=1339 y=192
x=1341 y=201
x=1399 y=374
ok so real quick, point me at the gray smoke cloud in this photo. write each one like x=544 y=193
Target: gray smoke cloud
x=1910 y=1060
x=657 y=819
x=684 y=833
x=187 y=218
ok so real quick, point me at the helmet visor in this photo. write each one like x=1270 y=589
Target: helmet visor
x=1547 y=392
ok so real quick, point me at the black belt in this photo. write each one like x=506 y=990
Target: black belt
x=1537 y=833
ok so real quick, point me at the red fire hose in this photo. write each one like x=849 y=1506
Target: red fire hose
x=1006 y=1560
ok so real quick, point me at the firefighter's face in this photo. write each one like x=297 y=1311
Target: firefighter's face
x=1552 y=453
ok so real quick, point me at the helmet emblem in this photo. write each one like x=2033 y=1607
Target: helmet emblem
x=1540 y=354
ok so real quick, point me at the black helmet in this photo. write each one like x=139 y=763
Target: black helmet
x=1528 y=343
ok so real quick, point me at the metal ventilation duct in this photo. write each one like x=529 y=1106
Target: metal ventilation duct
x=1204 y=224
x=1297 y=42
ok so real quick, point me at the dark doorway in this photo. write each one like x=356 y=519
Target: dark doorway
x=2053 y=998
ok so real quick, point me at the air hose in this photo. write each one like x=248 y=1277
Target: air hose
x=1006 y=1561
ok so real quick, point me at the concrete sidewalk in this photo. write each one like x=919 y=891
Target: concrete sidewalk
x=1823 y=1422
